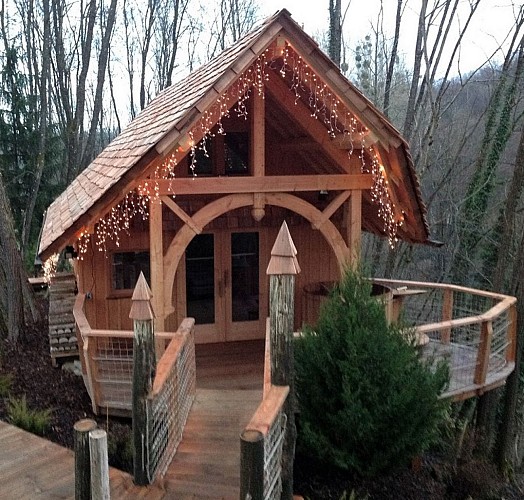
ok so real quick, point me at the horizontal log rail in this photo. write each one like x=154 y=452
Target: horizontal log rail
x=261 y=445
x=474 y=331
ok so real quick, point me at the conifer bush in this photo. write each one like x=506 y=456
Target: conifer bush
x=367 y=402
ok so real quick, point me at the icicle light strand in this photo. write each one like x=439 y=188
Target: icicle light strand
x=306 y=86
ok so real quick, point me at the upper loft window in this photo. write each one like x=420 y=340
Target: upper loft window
x=126 y=268
x=222 y=155
x=236 y=153
x=201 y=159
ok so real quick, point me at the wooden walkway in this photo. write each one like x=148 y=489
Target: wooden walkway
x=207 y=463
x=229 y=390
x=33 y=468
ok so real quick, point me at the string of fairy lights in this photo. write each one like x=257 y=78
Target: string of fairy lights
x=308 y=87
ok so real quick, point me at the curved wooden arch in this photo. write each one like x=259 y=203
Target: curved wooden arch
x=231 y=202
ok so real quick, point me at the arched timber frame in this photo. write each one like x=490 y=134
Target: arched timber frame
x=195 y=224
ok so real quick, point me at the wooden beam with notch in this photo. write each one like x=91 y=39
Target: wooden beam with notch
x=268 y=184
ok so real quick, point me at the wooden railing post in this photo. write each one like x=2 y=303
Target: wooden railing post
x=251 y=465
x=511 y=350
x=99 y=465
x=82 y=458
x=282 y=269
x=447 y=314
x=486 y=333
x=144 y=367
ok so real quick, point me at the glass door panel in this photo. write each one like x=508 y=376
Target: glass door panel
x=244 y=277
x=200 y=279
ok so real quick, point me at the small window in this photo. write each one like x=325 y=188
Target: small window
x=201 y=159
x=126 y=268
x=236 y=153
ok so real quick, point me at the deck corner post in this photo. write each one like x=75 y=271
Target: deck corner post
x=99 y=465
x=282 y=269
x=251 y=465
x=82 y=428
x=144 y=368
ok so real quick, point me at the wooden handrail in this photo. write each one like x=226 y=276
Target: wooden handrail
x=168 y=359
x=268 y=410
x=505 y=302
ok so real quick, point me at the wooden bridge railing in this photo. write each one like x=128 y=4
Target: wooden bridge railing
x=171 y=397
x=474 y=330
x=107 y=363
x=261 y=445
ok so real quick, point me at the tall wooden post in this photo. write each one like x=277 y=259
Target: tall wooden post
x=144 y=367
x=156 y=262
x=282 y=269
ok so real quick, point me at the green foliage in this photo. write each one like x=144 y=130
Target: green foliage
x=6 y=381
x=367 y=402
x=35 y=421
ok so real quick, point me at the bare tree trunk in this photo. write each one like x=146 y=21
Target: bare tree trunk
x=42 y=143
x=392 y=59
x=409 y=122
x=13 y=269
x=102 y=68
x=335 y=30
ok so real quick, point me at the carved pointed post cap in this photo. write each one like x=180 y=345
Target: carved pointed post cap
x=283 y=254
x=141 y=308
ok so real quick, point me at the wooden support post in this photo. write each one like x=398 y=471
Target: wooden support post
x=258 y=149
x=252 y=465
x=144 y=368
x=99 y=465
x=156 y=262
x=282 y=269
x=82 y=428
x=447 y=315
x=354 y=227
x=486 y=333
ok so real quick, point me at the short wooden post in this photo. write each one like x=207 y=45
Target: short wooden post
x=144 y=367
x=82 y=428
x=486 y=333
x=282 y=269
x=99 y=465
x=447 y=315
x=251 y=465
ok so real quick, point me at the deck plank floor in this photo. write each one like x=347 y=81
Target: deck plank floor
x=229 y=390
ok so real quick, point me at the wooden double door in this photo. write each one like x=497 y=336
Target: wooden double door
x=226 y=285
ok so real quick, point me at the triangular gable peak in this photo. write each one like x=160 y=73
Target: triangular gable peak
x=277 y=59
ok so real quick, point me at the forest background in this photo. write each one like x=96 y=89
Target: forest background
x=75 y=72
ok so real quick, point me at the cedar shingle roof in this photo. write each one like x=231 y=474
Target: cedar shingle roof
x=109 y=177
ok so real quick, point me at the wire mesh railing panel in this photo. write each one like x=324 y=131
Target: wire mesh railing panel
x=273 y=445
x=113 y=362
x=423 y=308
x=170 y=408
x=163 y=432
x=466 y=304
x=499 y=342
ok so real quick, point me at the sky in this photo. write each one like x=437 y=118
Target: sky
x=489 y=27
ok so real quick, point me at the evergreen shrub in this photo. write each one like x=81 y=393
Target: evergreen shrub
x=367 y=402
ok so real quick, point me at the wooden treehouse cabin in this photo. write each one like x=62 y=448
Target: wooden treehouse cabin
x=193 y=193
